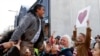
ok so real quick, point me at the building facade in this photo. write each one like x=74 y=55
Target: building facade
x=63 y=15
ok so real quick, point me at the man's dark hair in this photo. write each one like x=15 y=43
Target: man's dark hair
x=97 y=37
x=34 y=8
x=58 y=37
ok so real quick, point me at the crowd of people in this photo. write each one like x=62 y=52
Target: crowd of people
x=58 y=46
x=18 y=42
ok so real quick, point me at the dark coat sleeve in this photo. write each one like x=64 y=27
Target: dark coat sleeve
x=88 y=38
x=13 y=52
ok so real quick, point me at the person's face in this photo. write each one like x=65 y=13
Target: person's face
x=96 y=50
x=46 y=31
x=97 y=39
x=75 y=52
x=41 y=12
x=54 y=49
x=28 y=53
x=81 y=38
x=64 y=41
x=57 y=41
x=52 y=40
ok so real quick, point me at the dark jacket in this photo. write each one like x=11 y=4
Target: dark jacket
x=13 y=52
x=66 y=52
x=6 y=36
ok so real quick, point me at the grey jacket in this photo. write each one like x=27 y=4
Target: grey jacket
x=28 y=26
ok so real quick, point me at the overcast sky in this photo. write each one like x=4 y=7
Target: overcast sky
x=6 y=16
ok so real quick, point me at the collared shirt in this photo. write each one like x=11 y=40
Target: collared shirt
x=36 y=37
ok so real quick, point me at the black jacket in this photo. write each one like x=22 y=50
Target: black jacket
x=66 y=52
x=13 y=52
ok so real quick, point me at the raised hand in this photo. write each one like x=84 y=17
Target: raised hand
x=51 y=39
x=18 y=44
x=88 y=23
x=75 y=27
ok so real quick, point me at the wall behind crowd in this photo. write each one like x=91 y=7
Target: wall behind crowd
x=63 y=15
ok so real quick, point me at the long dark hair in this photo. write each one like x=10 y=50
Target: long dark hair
x=34 y=8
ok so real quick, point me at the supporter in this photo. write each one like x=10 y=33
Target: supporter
x=5 y=38
x=82 y=42
x=96 y=49
x=65 y=45
x=57 y=39
x=97 y=38
x=14 y=51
